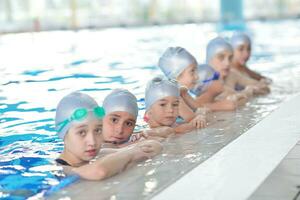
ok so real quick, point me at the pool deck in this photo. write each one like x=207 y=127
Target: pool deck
x=284 y=181
x=236 y=171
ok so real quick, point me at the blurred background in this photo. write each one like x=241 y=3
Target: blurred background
x=41 y=15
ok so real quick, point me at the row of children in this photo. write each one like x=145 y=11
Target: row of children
x=174 y=104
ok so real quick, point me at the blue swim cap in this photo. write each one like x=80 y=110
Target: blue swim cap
x=216 y=46
x=239 y=38
x=121 y=100
x=206 y=76
x=174 y=60
x=76 y=101
x=158 y=88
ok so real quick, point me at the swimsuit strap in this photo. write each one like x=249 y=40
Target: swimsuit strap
x=62 y=162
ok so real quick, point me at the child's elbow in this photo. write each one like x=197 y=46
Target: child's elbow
x=101 y=173
x=230 y=106
x=97 y=174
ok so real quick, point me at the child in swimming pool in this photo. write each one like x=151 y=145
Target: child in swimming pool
x=78 y=122
x=162 y=100
x=241 y=44
x=205 y=91
x=219 y=56
x=179 y=65
x=121 y=113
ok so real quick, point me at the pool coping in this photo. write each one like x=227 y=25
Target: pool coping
x=239 y=168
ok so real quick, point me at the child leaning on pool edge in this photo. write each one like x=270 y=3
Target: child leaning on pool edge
x=119 y=122
x=162 y=100
x=78 y=122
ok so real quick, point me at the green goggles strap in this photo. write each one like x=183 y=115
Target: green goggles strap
x=80 y=114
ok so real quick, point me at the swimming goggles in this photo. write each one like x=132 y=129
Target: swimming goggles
x=80 y=114
x=215 y=76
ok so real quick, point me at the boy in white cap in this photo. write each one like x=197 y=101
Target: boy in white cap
x=162 y=101
x=180 y=66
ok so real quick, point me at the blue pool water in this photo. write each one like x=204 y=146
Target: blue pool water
x=38 y=69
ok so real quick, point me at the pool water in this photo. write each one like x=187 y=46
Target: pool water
x=38 y=69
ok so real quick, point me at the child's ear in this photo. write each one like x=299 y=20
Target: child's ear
x=146 y=115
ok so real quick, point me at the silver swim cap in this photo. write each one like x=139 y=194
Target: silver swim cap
x=158 y=88
x=121 y=100
x=239 y=38
x=174 y=60
x=216 y=46
x=74 y=106
x=206 y=76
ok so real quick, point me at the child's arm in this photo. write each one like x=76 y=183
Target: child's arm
x=222 y=105
x=253 y=74
x=258 y=87
x=163 y=131
x=119 y=161
x=158 y=134
x=185 y=111
x=208 y=96
x=184 y=128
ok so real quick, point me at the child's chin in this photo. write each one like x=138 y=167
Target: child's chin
x=168 y=123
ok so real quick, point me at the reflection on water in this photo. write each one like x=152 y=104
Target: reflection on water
x=49 y=65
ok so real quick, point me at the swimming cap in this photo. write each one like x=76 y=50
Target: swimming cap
x=174 y=60
x=239 y=38
x=67 y=106
x=216 y=46
x=158 y=88
x=121 y=100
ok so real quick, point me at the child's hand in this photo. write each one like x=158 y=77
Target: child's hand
x=199 y=121
x=261 y=89
x=266 y=80
x=183 y=91
x=235 y=100
x=229 y=104
x=138 y=136
x=249 y=90
x=146 y=149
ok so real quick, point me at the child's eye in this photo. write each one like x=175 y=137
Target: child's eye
x=175 y=104
x=129 y=124
x=98 y=130
x=221 y=57
x=82 y=133
x=114 y=120
x=162 y=104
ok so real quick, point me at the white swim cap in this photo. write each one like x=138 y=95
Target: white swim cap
x=158 y=88
x=174 y=60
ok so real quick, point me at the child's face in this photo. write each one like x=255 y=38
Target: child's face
x=163 y=112
x=189 y=76
x=84 y=139
x=118 y=126
x=242 y=53
x=221 y=62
